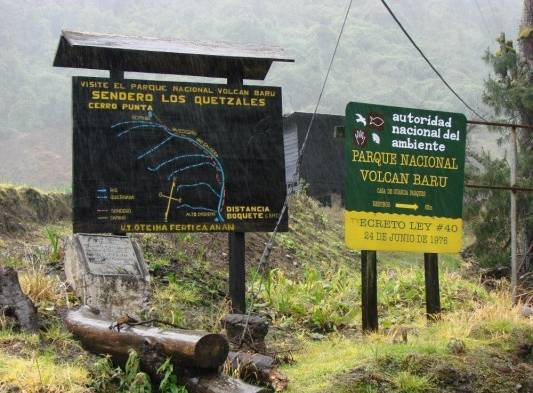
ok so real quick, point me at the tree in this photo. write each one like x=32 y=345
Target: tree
x=510 y=93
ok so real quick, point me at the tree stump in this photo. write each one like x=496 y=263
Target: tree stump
x=15 y=301
x=258 y=369
x=254 y=336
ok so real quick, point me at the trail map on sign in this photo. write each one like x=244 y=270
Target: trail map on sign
x=404 y=182
x=167 y=157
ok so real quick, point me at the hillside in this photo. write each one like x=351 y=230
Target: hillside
x=310 y=295
x=375 y=62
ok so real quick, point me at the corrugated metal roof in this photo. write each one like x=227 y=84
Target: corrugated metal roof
x=164 y=55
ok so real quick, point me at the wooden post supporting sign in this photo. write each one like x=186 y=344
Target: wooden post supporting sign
x=431 y=276
x=369 y=291
x=237 y=245
x=237 y=272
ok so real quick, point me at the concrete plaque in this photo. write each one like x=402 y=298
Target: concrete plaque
x=109 y=255
x=108 y=273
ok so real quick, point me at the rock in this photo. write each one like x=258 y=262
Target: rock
x=108 y=273
x=495 y=273
x=527 y=311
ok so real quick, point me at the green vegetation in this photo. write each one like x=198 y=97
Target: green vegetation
x=42 y=372
x=510 y=94
x=426 y=362
x=311 y=295
x=53 y=238
x=106 y=379
x=375 y=62
x=324 y=295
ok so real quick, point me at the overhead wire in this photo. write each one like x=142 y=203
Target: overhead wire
x=295 y=177
x=430 y=64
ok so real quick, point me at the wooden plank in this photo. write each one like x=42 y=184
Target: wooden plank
x=369 y=290
x=431 y=275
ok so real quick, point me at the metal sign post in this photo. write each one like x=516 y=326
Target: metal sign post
x=514 y=270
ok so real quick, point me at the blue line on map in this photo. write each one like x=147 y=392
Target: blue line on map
x=195 y=207
x=189 y=167
x=154 y=148
x=197 y=185
x=133 y=122
x=154 y=169
x=143 y=126
x=171 y=135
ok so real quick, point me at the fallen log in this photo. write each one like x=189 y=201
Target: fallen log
x=186 y=348
x=219 y=383
x=192 y=350
x=196 y=381
x=15 y=301
x=254 y=367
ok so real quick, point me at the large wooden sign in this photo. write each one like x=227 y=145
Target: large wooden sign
x=167 y=157
x=404 y=185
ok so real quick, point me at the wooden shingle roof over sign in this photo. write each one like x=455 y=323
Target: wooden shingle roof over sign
x=165 y=56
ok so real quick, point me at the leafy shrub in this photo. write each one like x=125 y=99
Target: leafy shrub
x=331 y=299
x=53 y=239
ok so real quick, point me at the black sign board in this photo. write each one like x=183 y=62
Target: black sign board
x=154 y=156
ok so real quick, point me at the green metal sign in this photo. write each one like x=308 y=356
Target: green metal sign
x=404 y=186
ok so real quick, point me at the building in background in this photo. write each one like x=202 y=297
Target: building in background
x=322 y=168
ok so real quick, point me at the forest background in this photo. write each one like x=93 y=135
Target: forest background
x=375 y=62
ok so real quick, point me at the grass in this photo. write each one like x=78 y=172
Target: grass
x=326 y=299
x=340 y=364
x=42 y=373
x=405 y=382
x=183 y=303
x=42 y=288
x=311 y=294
